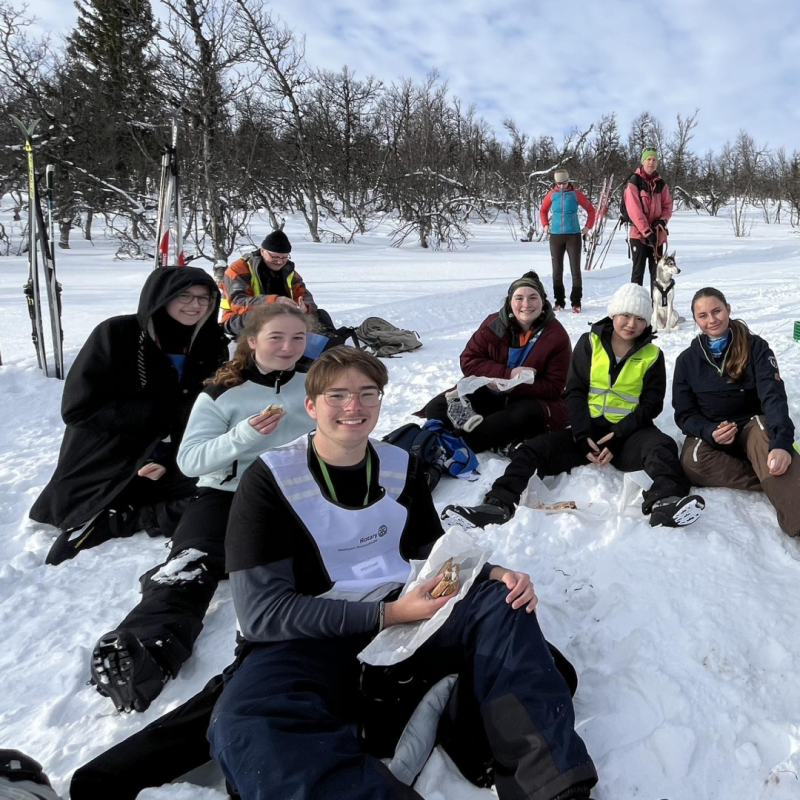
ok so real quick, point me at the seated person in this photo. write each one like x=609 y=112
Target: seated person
x=615 y=390
x=313 y=583
x=524 y=335
x=238 y=416
x=22 y=778
x=266 y=275
x=731 y=403
x=126 y=402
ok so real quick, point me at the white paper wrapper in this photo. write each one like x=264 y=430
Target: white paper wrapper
x=395 y=644
x=537 y=496
x=472 y=383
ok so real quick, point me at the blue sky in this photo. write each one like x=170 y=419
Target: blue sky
x=560 y=64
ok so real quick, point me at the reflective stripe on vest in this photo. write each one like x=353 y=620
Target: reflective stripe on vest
x=359 y=547
x=618 y=401
x=255 y=284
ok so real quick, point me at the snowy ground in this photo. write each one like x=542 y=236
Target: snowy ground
x=686 y=641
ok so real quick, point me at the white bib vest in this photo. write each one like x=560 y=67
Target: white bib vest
x=360 y=547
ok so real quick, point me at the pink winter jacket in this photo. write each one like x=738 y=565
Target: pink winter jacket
x=645 y=207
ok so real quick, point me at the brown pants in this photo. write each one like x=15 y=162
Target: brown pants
x=744 y=466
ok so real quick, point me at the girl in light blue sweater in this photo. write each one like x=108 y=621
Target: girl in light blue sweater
x=254 y=402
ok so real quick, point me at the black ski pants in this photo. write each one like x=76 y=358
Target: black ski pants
x=643 y=256
x=285 y=726
x=645 y=449
x=177 y=593
x=569 y=243
x=506 y=419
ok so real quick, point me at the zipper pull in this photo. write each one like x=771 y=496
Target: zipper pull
x=278 y=383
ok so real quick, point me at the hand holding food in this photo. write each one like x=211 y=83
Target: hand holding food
x=725 y=433
x=449 y=582
x=268 y=419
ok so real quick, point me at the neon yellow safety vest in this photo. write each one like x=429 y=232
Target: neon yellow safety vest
x=615 y=403
x=255 y=284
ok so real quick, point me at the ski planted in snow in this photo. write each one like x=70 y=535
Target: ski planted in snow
x=596 y=236
x=169 y=206
x=40 y=240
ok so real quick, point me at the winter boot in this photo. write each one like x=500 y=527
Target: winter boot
x=492 y=512
x=461 y=413
x=675 y=512
x=576 y=309
x=110 y=523
x=22 y=778
x=558 y=307
x=123 y=669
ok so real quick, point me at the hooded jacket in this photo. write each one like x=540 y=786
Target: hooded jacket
x=651 y=400
x=486 y=355
x=123 y=396
x=703 y=395
x=647 y=199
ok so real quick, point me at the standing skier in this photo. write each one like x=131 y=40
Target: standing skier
x=648 y=203
x=565 y=236
x=126 y=402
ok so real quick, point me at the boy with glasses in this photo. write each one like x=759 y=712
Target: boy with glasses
x=318 y=546
x=266 y=275
x=561 y=205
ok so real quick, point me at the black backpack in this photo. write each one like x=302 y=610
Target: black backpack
x=424 y=445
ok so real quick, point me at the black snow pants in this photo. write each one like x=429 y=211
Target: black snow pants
x=285 y=725
x=569 y=243
x=643 y=256
x=177 y=593
x=645 y=449
x=506 y=419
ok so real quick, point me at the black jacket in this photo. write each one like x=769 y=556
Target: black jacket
x=122 y=396
x=651 y=400
x=703 y=395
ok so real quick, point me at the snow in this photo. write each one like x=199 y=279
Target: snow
x=686 y=641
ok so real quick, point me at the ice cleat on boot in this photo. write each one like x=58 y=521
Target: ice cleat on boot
x=123 y=670
x=675 y=512
x=492 y=512
x=461 y=413
x=22 y=778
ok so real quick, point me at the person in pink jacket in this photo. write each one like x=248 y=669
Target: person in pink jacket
x=649 y=205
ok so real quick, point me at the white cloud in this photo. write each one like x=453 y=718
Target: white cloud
x=557 y=65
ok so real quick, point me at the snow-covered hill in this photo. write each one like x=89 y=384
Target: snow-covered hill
x=686 y=641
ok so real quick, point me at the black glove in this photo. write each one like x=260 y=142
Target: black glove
x=661 y=223
x=652 y=239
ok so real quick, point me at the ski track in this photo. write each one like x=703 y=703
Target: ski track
x=685 y=640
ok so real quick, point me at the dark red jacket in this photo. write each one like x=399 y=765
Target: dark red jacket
x=486 y=355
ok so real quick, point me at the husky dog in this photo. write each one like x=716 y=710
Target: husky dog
x=665 y=318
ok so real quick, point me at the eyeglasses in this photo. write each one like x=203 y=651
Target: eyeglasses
x=187 y=298
x=369 y=398
x=277 y=255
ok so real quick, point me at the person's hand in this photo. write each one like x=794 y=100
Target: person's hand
x=598 y=456
x=265 y=423
x=521 y=588
x=301 y=304
x=286 y=301
x=546 y=230
x=725 y=433
x=152 y=471
x=416 y=605
x=652 y=239
x=585 y=231
x=493 y=387
x=519 y=370
x=778 y=461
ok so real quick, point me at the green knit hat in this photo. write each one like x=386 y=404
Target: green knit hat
x=649 y=152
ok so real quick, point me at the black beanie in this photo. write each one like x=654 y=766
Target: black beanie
x=530 y=279
x=277 y=242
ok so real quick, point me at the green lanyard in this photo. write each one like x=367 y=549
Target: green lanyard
x=327 y=477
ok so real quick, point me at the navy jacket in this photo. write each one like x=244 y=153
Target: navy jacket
x=703 y=395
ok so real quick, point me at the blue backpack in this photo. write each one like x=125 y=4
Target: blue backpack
x=424 y=445
x=459 y=459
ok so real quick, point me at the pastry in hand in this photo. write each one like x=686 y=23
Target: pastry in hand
x=274 y=409
x=449 y=582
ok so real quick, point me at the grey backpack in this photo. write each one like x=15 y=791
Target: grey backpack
x=386 y=340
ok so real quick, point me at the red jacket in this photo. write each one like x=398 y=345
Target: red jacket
x=486 y=355
x=648 y=205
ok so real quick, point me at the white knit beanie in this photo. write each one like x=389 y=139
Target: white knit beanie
x=631 y=298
